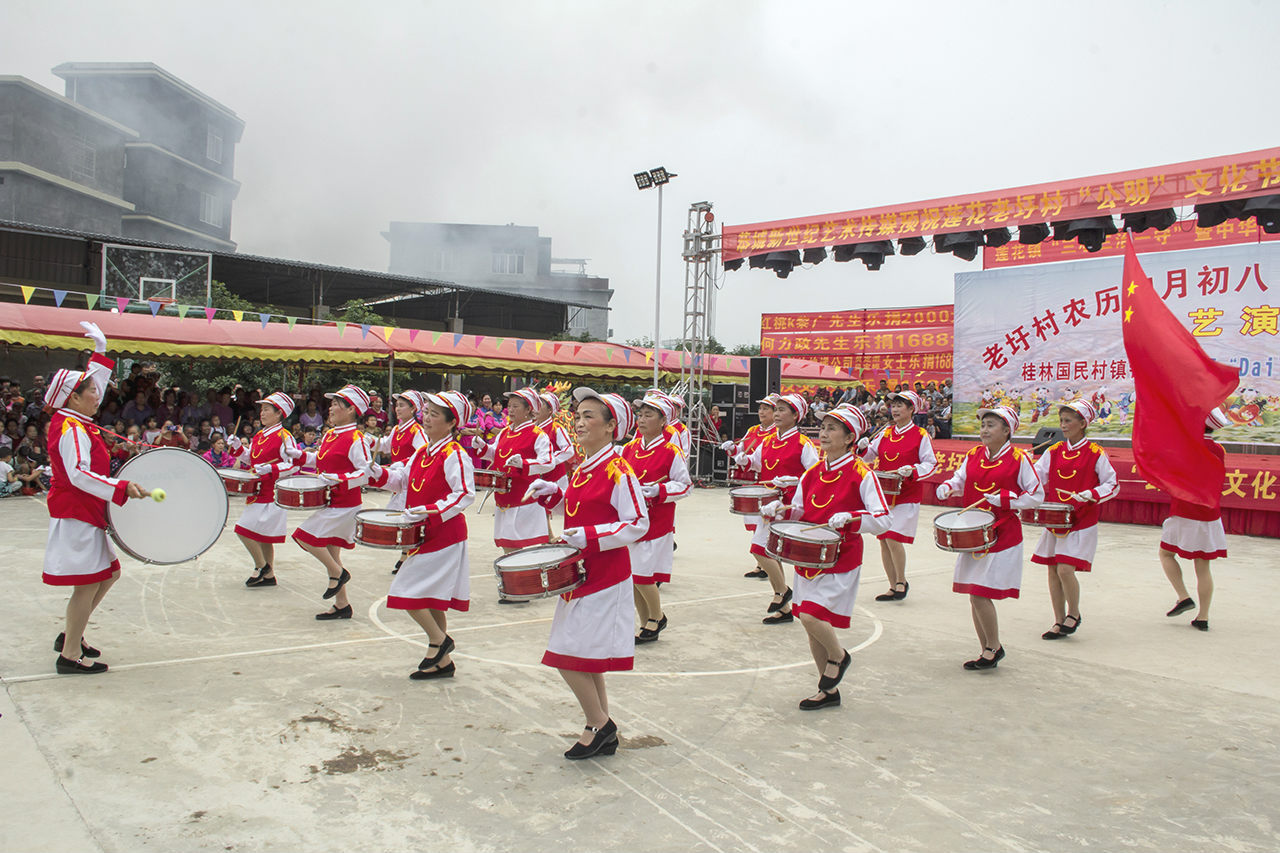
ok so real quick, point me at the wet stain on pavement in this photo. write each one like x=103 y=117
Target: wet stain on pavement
x=352 y=760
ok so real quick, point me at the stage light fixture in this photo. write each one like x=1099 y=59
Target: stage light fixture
x=734 y=265
x=1140 y=221
x=873 y=254
x=1212 y=215
x=1266 y=210
x=660 y=175
x=996 y=237
x=757 y=262
x=1092 y=232
x=909 y=246
x=643 y=181
x=1029 y=235
x=843 y=254
x=815 y=255
x=782 y=262
x=963 y=245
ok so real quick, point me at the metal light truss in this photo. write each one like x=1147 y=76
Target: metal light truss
x=701 y=250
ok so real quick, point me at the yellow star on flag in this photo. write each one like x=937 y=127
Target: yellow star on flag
x=1133 y=285
x=1128 y=314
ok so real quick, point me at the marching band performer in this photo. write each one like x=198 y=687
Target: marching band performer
x=562 y=449
x=679 y=434
x=840 y=492
x=1001 y=475
x=1075 y=472
x=592 y=630
x=404 y=440
x=78 y=554
x=1194 y=533
x=343 y=460
x=743 y=473
x=780 y=459
x=439 y=484
x=270 y=456
x=664 y=479
x=905 y=449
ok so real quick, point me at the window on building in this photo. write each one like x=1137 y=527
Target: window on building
x=213 y=145
x=83 y=158
x=210 y=209
x=508 y=262
x=443 y=260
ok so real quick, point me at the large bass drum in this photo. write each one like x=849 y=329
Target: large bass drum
x=186 y=524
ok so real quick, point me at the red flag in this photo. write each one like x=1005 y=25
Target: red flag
x=1176 y=386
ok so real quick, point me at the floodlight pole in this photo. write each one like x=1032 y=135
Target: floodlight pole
x=657 y=296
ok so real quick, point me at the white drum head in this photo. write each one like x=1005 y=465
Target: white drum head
x=753 y=491
x=383 y=516
x=1055 y=507
x=965 y=519
x=234 y=474
x=804 y=531
x=186 y=524
x=538 y=555
x=302 y=482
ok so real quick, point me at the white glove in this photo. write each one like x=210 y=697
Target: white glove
x=331 y=479
x=375 y=471
x=728 y=447
x=291 y=452
x=786 y=482
x=234 y=442
x=650 y=490
x=741 y=460
x=516 y=462
x=540 y=489
x=772 y=509
x=863 y=444
x=262 y=470
x=943 y=492
x=99 y=339
x=395 y=466
x=575 y=537
x=1080 y=497
x=993 y=499
x=906 y=470
x=415 y=514
x=840 y=519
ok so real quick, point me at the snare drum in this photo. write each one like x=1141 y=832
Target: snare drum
x=239 y=482
x=804 y=544
x=186 y=524
x=747 y=500
x=541 y=571
x=1053 y=516
x=302 y=491
x=890 y=483
x=493 y=480
x=384 y=528
x=965 y=530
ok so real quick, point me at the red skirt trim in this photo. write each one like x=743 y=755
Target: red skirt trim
x=751 y=528
x=302 y=537
x=817 y=611
x=647 y=580
x=258 y=537
x=983 y=591
x=759 y=550
x=521 y=543
x=1193 y=555
x=396 y=602
x=896 y=537
x=577 y=664
x=1074 y=562
x=81 y=580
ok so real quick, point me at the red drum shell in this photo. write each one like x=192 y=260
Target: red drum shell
x=239 y=482
x=380 y=528
x=890 y=482
x=487 y=478
x=747 y=500
x=1053 y=516
x=561 y=572
x=802 y=544
x=302 y=492
x=975 y=530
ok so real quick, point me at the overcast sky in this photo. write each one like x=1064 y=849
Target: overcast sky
x=538 y=113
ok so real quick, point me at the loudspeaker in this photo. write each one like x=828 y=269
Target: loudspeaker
x=722 y=394
x=741 y=420
x=766 y=377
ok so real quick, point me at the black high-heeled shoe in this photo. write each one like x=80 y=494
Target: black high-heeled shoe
x=775 y=606
x=828 y=698
x=986 y=663
x=335 y=613
x=898 y=596
x=342 y=581
x=601 y=738
x=86 y=651
x=829 y=683
x=442 y=672
x=1071 y=629
x=445 y=647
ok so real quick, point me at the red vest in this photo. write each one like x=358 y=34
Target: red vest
x=265 y=450
x=65 y=500
x=334 y=457
x=427 y=485
x=780 y=457
x=521 y=442
x=588 y=501
x=402 y=441
x=827 y=492
x=748 y=445
x=1074 y=471
x=653 y=466
x=982 y=477
x=896 y=450
x=1195 y=512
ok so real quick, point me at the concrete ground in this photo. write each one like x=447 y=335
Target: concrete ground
x=231 y=720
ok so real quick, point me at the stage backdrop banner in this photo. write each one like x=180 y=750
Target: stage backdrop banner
x=896 y=344
x=1035 y=336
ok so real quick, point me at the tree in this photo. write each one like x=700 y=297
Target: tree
x=745 y=350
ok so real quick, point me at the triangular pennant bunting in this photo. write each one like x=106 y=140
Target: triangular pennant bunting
x=608 y=353
x=386 y=332
x=435 y=337
x=154 y=306
x=238 y=315
x=58 y=296
x=291 y=321
x=209 y=312
x=27 y=291
x=479 y=338
x=122 y=302
x=342 y=327
x=626 y=356
x=457 y=339
x=519 y=345
x=264 y=318
x=413 y=333
x=537 y=347
x=648 y=356
x=555 y=350
x=91 y=300
x=364 y=330
x=498 y=342
x=182 y=311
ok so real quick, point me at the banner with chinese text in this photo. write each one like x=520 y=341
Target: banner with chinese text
x=1034 y=336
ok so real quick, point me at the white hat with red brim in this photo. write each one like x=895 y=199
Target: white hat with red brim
x=551 y=400
x=416 y=398
x=661 y=402
x=623 y=415
x=451 y=401
x=797 y=403
x=768 y=400
x=281 y=401
x=1005 y=414
x=1217 y=419
x=910 y=396
x=1083 y=408
x=357 y=397
x=61 y=384
x=528 y=395
x=850 y=417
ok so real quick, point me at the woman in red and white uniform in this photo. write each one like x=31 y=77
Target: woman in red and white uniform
x=1194 y=533
x=78 y=554
x=780 y=460
x=404 y=440
x=742 y=474
x=842 y=493
x=439 y=484
x=664 y=479
x=678 y=433
x=342 y=460
x=1001 y=475
x=562 y=449
x=1075 y=472
x=271 y=455
x=905 y=450
x=592 y=631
